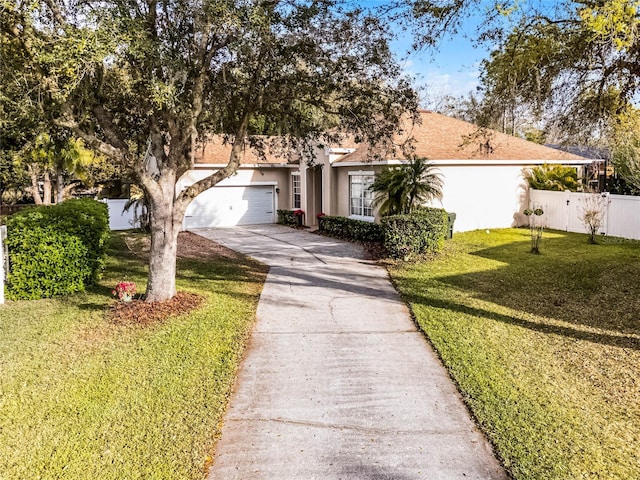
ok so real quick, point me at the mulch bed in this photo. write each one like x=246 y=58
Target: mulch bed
x=190 y=246
x=139 y=312
x=193 y=246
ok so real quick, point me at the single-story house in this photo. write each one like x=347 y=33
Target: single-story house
x=262 y=185
x=482 y=172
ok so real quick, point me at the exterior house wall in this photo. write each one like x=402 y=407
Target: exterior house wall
x=483 y=197
x=217 y=206
x=280 y=177
x=341 y=188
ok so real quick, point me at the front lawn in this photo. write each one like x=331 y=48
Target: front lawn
x=86 y=397
x=545 y=348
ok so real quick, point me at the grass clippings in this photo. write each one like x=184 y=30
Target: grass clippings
x=545 y=348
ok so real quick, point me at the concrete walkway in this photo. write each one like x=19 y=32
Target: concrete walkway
x=337 y=382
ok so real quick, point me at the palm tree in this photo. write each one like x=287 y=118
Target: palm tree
x=400 y=190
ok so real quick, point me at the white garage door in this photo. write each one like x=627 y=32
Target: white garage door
x=228 y=206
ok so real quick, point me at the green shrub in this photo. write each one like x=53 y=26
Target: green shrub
x=45 y=263
x=286 y=217
x=420 y=232
x=350 y=229
x=89 y=220
x=56 y=250
x=553 y=177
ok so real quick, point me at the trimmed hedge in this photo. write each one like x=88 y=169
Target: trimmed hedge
x=56 y=250
x=286 y=217
x=350 y=229
x=420 y=232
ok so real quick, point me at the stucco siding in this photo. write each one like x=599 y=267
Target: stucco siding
x=483 y=197
x=342 y=201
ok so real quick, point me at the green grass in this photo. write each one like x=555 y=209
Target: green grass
x=545 y=348
x=84 y=398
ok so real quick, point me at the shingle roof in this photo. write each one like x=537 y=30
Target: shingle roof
x=438 y=137
x=216 y=152
x=595 y=153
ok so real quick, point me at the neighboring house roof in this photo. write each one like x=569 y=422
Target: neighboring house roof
x=444 y=140
x=217 y=153
x=594 y=153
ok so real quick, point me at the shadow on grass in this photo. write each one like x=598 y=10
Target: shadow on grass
x=601 y=338
x=590 y=285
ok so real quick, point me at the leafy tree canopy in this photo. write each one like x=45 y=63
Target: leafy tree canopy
x=574 y=64
x=626 y=147
x=568 y=69
x=153 y=79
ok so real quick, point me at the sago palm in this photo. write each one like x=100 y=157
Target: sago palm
x=553 y=177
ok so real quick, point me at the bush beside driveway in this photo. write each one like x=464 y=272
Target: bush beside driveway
x=545 y=348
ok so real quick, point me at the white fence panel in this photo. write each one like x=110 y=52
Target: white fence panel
x=575 y=210
x=562 y=211
x=118 y=219
x=624 y=217
x=554 y=206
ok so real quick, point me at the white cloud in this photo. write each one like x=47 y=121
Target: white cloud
x=441 y=82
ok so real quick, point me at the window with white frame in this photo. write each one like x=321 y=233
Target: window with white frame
x=361 y=197
x=296 y=189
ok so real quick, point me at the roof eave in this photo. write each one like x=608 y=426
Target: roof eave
x=463 y=162
x=247 y=165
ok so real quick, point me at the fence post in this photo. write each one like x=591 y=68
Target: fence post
x=567 y=198
x=605 y=195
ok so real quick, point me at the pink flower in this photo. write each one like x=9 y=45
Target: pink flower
x=125 y=289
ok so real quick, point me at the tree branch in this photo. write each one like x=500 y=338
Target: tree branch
x=105 y=121
x=237 y=152
x=57 y=13
x=68 y=121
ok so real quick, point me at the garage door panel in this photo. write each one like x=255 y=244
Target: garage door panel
x=228 y=206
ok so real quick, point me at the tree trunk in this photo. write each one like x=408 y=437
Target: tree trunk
x=46 y=194
x=165 y=227
x=35 y=191
x=60 y=188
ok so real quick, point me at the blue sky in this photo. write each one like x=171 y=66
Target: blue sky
x=451 y=68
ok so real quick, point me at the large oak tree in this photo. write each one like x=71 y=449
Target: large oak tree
x=571 y=67
x=154 y=78
x=576 y=62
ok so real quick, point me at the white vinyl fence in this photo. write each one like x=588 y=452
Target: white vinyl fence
x=562 y=211
x=119 y=219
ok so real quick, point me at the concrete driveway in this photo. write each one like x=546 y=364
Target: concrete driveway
x=337 y=382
